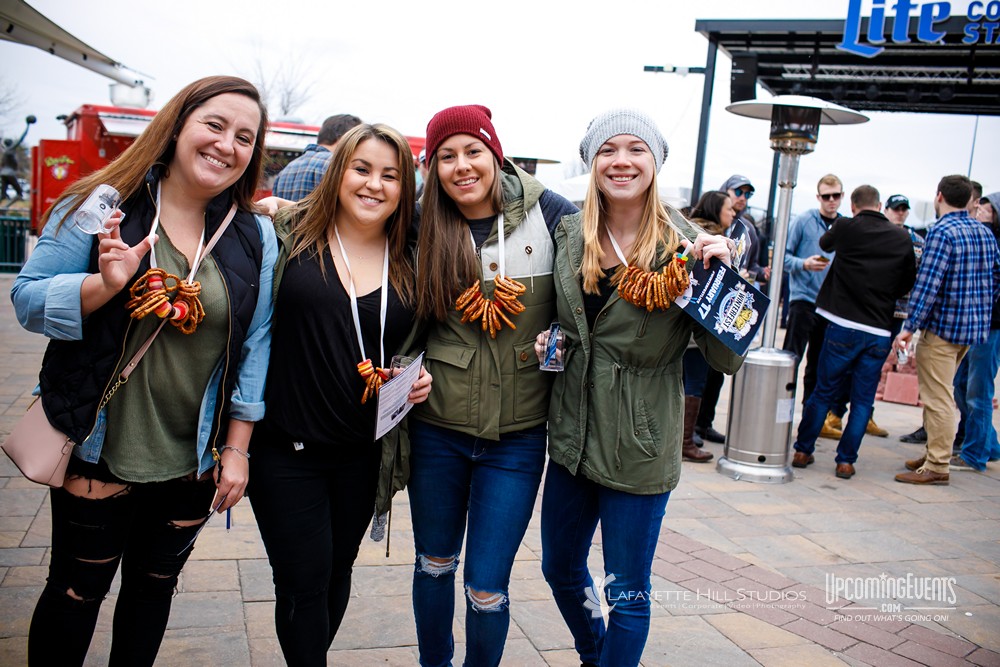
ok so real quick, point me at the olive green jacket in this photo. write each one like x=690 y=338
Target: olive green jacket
x=487 y=386
x=617 y=412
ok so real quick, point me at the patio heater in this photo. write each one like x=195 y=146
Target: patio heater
x=762 y=403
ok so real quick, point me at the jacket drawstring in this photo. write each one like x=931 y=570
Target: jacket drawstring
x=616 y=379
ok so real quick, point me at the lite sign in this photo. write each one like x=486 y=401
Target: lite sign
x=982 y=26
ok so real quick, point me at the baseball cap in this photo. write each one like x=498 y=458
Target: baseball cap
x=897 y=201
x=736 y=181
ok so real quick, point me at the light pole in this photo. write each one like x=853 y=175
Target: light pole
x=762 y=404
x=706 y=106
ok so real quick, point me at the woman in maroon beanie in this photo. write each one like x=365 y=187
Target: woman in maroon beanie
x=484 y=288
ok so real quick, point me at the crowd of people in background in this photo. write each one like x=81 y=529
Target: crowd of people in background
x=366 y=253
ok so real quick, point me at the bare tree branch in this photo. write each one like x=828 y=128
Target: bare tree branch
x=285 y=87
x=10 y=98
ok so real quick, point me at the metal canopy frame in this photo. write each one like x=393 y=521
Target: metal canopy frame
x=800 y=57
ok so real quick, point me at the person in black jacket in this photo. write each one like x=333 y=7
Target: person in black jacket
x=874 y=265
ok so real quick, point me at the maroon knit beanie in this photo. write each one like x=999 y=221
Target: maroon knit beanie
x=472 y=119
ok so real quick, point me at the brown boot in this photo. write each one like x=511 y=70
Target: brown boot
x=689 y=452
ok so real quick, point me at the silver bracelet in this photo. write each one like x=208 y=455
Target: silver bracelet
x=235 y=449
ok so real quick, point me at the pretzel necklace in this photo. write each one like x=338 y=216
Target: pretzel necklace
x=492 y=314
x=374 y=376
x=652 y=289
x=164 y=294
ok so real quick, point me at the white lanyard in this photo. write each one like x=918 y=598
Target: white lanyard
x=354 y=301
x=618 y=248
x=502 y=262
x=198 y=255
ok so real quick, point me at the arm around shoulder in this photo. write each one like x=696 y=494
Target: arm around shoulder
x=248 y=395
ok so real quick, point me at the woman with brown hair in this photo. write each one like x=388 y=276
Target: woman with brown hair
x=346 y=295
x=157 y=455
x=484 y=286
x=714 y=213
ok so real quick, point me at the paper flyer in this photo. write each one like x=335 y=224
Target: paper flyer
x=392 y=404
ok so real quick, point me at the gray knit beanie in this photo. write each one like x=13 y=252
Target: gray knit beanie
x=623 y=121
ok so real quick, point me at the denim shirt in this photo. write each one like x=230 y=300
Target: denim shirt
x=46 y=297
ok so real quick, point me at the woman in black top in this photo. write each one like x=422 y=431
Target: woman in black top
x=345 y=296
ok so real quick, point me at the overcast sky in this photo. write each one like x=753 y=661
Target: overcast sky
x=545 y=68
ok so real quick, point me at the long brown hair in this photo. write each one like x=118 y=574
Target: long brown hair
x=655 y=233
x=157 y=143
x=447 y=261
x=315 y=213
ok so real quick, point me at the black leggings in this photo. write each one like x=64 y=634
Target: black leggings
x=135 y=528
x=312 y=507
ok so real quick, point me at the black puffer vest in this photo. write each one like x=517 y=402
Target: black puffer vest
x=76 y=374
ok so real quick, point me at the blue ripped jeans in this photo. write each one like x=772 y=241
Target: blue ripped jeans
x=572 y=505
x=487 y=488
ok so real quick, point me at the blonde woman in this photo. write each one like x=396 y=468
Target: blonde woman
x=616 y=415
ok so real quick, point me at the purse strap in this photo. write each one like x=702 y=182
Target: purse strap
x=134 y=361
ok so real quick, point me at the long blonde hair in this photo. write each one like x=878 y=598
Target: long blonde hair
x=315 y=213
x=447 y=261
x=158 y=141
x=654 y=241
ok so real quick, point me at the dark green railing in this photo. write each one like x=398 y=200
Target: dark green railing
x=13 y=241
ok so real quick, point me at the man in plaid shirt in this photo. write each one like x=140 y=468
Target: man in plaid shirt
x=951 y=304
x=303 y=174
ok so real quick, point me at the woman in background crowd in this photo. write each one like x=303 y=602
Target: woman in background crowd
x=714 y=213
x=974 y=381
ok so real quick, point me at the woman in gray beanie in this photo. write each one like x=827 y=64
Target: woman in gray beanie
x=616 y=415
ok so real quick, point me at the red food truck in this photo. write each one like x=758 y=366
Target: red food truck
x=96 y=135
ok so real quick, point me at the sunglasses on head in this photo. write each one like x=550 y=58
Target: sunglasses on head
x=830 y=196
x=743 y=192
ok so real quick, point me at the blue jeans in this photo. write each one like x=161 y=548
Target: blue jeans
x=491 y=485
x=630 y=526
x=850 y=363
x=695 y=372
x=974 y=396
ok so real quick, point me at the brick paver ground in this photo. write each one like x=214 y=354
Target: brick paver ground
x=740 y=577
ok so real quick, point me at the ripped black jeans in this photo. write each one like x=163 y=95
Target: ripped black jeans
x=148 y=529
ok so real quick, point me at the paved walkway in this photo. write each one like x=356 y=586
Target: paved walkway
x=740 y=576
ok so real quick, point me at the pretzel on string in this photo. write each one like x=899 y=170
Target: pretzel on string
x=151 y=293
x=655 y=289
x=490 y=312
x=374 y=379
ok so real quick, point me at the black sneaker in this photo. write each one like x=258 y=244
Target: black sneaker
x=918 y=437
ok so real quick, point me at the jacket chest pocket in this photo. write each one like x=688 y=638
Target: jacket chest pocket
x=451 y=365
